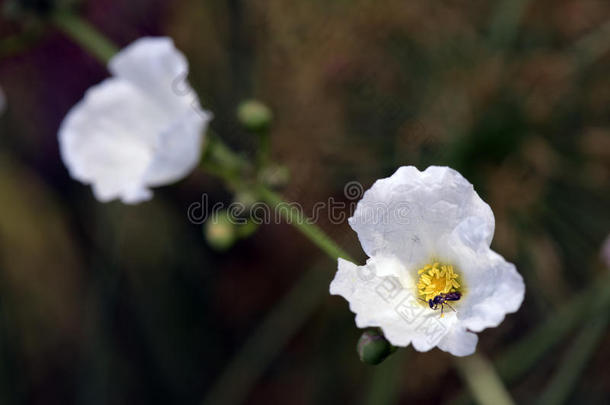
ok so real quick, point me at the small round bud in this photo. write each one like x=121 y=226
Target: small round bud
x=254 y=115
x=246 y=198
x=220 y=231
x=373 y=347
x=246 y=229
x=275 y=176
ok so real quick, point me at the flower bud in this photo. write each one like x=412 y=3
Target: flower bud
x=220 y=231
x=254 y=115
x=373 y=347
x=246 y=229
x=275 y=176
x=245 y=198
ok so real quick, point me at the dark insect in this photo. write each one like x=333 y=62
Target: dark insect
x=442 y=299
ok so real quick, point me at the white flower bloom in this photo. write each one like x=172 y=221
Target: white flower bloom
x=141 y=128
x=427 y=235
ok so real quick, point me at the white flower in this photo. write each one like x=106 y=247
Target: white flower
x=141 y=128
x=427 y=234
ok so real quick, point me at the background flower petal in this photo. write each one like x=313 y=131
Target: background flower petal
x=178 y=149
x=108 y=139
x=154 y=65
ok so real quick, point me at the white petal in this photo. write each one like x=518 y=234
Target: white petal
x=406 y=214
x=108 y=140
x=493 y=287
x=473 y=232
x=384 y=302
x=155 y=66
x=134 y=195
x=159 y=69
x=178 y=149
x=390 y=266
x=506 y=297
x=136 y=130
x=459 y=342
x=149 y=62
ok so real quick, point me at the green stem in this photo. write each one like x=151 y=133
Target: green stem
x=17 y=43
x=86 y=35
x=574 y=362
x=505 y=23
x=219 y=153
x=483 y=381
x=523 y=355
x=385 y=380
x=590 y=48
x=295 y=217
x=264 y=148
x=222 y=162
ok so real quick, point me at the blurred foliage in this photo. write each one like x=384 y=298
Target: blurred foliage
x=115 y=304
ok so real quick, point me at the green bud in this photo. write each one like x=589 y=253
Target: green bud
x=373 y=347
x=254 y=115
x=247 y=229
x=275 y=176
x=246 y=198
x=220 y=231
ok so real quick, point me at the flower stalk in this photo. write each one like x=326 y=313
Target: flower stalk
x=483 y=381
x=85 y=35
x=296 y=218
x=256 y=118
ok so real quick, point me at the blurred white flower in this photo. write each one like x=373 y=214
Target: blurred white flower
x=428 y=235
x=141 y=128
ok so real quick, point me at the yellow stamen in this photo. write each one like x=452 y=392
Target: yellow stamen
x=436 y=279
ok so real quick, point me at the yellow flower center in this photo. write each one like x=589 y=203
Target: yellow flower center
x=436 y=279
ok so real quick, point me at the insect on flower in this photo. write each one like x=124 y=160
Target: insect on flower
x=441 y=300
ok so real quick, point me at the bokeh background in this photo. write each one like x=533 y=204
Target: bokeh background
x=114 y=304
